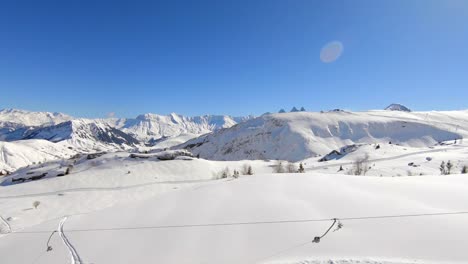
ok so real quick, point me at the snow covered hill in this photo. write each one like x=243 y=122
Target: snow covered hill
x=14 y=155
x=300 y=135
x=208 y=222
x=110 y=203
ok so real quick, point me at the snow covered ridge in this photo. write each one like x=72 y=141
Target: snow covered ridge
x=42 y=144
x=16 y=124
x=300 y=135
x=85 y=134
x=149 y=127
x=27 y=118
x=10 y=131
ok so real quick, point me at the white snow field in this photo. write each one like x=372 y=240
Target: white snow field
x=162 y=211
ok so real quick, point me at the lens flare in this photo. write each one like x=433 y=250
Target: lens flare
x=331 y=51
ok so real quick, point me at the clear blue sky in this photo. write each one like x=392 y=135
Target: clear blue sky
x=89 y=58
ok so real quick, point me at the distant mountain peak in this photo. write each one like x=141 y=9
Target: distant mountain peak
x=397 y=107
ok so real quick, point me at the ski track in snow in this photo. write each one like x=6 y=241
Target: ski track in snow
x=5 y=222
x=75 y=258
x=86 y=189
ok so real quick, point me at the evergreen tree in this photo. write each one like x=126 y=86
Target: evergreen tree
x=449 y=167
x=442 y=168
x=301 y=168
x=249 y=170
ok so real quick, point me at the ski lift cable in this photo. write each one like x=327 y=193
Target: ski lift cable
x=316 y=240
x=248 y=223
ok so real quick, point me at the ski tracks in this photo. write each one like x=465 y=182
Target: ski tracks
x=5 y=222
x=75 y=258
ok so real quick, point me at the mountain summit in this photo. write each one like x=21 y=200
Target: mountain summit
x=397 y=107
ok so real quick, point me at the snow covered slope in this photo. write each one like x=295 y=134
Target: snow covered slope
x=149 y=127
x=163 y=228
x=15 y=123
x=14 y=155
x=300 y=135
x=28 y=118
x=10 y=131
x=85 y=135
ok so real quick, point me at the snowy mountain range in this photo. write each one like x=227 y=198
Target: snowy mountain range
x=150 y=127
x=289 y=136
x=30 y=119
x=84 y=133
x=91 y=135
x=20 y=124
